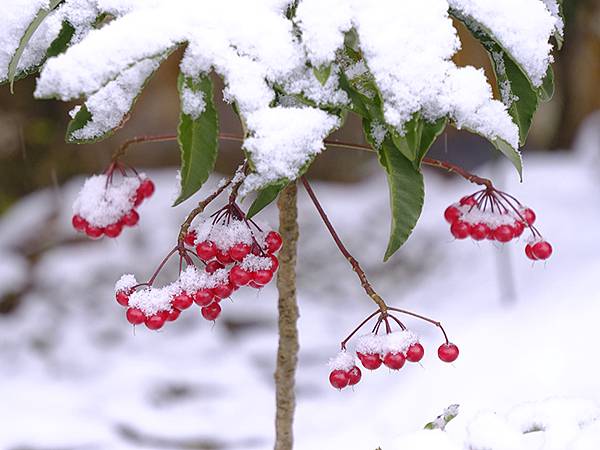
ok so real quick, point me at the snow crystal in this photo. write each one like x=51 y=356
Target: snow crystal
x=252 y=263
x=342 y=361
x=398 y=341
x=220 y=276
x=378 y=132
x=153 y=300
x=125 y=283
x=369 y=343
x=303 y=82
x=523 y=28
x=225 y=235
x=192 y=102
x=191 y=279
x=103 y=204
x=554 y=8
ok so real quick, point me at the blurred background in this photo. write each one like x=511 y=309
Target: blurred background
x=73 y=374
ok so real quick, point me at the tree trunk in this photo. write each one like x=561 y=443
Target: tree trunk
x=287 y=352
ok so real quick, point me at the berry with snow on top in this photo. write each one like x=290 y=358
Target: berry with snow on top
x=448 y=352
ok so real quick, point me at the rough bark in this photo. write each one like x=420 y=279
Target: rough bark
x=287 y=352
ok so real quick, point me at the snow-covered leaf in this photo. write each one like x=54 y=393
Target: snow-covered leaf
x=322 y=73
x=62 y=41
x=197 y=134
x=443 y=419
x=546 y=90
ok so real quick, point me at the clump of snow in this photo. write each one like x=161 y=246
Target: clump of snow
x=342 y=361
x=125 y=283
x=398 y=341
x=252 y=263
x=103 y=203
x=369 y=344
x=224 y=235
x=554 y=8
x=493 y=219
x=192 y=102
x=191 y=280
x=152 y=300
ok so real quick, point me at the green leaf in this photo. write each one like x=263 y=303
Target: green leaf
x=430 y=131
x=60 y=44
x=546 y=90
x=27 y=35
x=265 y=197
x=322 y=73
x=513 y=155
x=406 y=190
x=82 y=117
x=443 y=419
x=198 y=138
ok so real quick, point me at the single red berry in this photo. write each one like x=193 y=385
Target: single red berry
x=190 y=238
x=339 y=379
x=468 y=200
x=239 y=276
x=156 y=321
x=211 y=312
x=173 y=315
x=206 y=250
x=354 y=376
x=94 y=232
x=163 y=314
x=518 y=228
x=529 y=215
x=262 y=277
x=182 y=301
x=448 y=352
x=394 y=360
x=255 y=285
x=213 y=266
x=503 y=233
x=415 y=352
x=452 y=214
x=222 y=291
x=541 y=250
x=529 y=252
x=223 y=257
x=135 y=316
x=79 y=223
x=122 y=298
x=146 y=188
x=479 y=231
x=460 y=229
x=131 y=218
x=274 y=263
x=239 y=251
x=203 y=297
x=273 y=241
x=370 y=361
x=113 y=230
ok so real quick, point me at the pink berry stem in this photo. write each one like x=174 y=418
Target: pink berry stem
x=426 y=319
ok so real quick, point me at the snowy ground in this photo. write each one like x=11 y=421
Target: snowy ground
x=73 y=374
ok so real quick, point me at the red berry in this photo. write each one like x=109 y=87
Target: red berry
x=274 y=263
x=223 y=257
x=503 y=233
x=113 y=230
x=415 y=352
x=146 y=188
x=262 y=277
x=273 y=241
x=452 y=214
x=156 y=321
x=204 y=297
x=222 y=291
x=182 y=301
x=190 y=238
x=518 y=228
x=131 y=218
x=460 y=229
x=529 y=252
x=211 y=312
x=206 y=250
x=239 y=251
x=468 y=200
x=541 y=250
x=94 y=232
x=213 y=266
x=173 y=315
x=339 y=379
x=239 y=276
x=79 y=223
x=354 y=376
x=255 y=286
x=139 y=198
x=394 y=360
x=370 y=361
x=528 y=215
x=135 y=316
x=122 y=298
x=448 y=352
x=480 y=231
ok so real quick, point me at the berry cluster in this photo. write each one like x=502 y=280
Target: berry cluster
x=104 y=208
x=493 y=215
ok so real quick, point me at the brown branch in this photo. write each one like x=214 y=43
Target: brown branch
x=287 y=351
x=459 y=171
x=353 y=262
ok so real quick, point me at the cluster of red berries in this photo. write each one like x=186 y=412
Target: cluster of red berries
x=495 y=216
x=127 y=218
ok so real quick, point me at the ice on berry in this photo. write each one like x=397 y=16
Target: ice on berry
x=224 y=235
x=252 y=263
x=191 y=279
x=369 y=344
x=398 y=341
x=151 y=300
x=125 y=283
x=342 y=361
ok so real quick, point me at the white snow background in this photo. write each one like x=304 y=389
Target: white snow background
x=74 y=374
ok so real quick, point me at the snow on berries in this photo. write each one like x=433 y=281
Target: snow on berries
x=493 y=215
x=104 y=206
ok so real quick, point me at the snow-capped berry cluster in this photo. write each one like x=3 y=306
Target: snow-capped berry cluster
x=104 y=207
x=496 y=216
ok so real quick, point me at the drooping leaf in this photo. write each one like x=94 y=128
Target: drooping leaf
x=197 y=137
x=406 y=190
x=512 y=154
x=265 y=197
x=546 y=90
x=430 y=131
x=322 y=73
x=27 y=35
